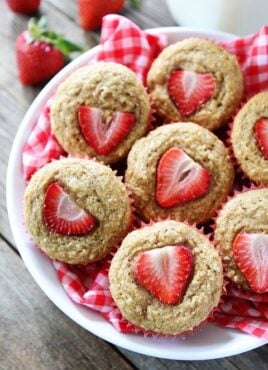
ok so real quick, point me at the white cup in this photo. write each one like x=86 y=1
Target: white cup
x=240 y=17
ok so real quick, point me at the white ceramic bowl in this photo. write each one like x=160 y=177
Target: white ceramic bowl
x=212 y=342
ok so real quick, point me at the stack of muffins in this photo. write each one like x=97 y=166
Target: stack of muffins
x=166 y=277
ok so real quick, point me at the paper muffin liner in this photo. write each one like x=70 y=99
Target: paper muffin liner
x=183 y=335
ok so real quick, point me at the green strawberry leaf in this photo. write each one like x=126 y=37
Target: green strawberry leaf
x=135 y=3
x=38 y=32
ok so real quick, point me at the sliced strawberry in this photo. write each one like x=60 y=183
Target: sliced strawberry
x=251 y=256
x=165 y=272
x=261 y=133
x=104 y=137
x=62 y=215
x=179 y=179
x=190 y=90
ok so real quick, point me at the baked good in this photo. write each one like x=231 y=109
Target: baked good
x=250 y=138
x=242 y=235
x=76 y=210
x=196 y=80
x=166 y=277
x=180 y=170
x=100 y=110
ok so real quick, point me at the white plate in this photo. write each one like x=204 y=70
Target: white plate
x=212 y=342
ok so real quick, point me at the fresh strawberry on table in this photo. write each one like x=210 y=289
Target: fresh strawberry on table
x=92 y=11
x=24 y=6
x=41 y=53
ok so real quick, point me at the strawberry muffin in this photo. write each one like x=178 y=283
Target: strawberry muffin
x=250 y=138
x=100 y=111
x=196 y=80
x=242 y=235
x=166 y=278
x=180 y=170
x=76 y=210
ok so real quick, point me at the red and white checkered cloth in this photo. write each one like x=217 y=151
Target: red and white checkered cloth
x=123 y=42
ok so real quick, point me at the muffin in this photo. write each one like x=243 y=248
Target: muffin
x=76 y=210
x=196 y=80
x=250 y=138
x=242 y=235
x=166 y=278
x=180 y=170
x=100 y=111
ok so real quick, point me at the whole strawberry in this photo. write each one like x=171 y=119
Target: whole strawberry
x=92 y=11
x=41 y=53
x=24 y=6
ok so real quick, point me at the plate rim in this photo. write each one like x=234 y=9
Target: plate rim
x=13 y=164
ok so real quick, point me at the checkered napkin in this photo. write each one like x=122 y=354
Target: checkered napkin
x=123 y=42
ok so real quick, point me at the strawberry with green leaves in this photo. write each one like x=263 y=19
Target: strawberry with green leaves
x=41 y=53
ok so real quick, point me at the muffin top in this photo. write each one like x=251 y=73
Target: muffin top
x=162 y=249
x=76 y=210
x=250 y=138
x=179 y=170
x=242 y=234
x=196 y=80
x=99 y=111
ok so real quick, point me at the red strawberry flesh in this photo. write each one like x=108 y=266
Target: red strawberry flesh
x=261 y=134
x=251 y=256
x=179 y=179
x=190 y=90
x=104 y=137
x=62 y=215
x=165 y=272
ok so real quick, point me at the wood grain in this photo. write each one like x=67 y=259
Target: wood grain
x=34 y=334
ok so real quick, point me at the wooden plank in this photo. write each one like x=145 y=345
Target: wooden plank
x=36 y=335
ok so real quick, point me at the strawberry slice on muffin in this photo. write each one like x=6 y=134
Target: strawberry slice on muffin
x=190 y=90
x=165 y=272
x=179 y=179
x=104 y=136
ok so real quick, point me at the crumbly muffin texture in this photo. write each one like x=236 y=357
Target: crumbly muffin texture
x=146 y=311
x=244 y=142
x=200 y=56
x=93 y=187
x=202 y=146
x=108 y=86
x=246 y=212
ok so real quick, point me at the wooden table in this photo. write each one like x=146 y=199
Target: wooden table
x=34 y=334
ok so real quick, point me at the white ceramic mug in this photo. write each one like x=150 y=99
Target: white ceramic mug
x=240 y=17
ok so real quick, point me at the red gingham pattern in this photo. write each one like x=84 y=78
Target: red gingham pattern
x=252 y=54
x=123 y=42
x=41 y=146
